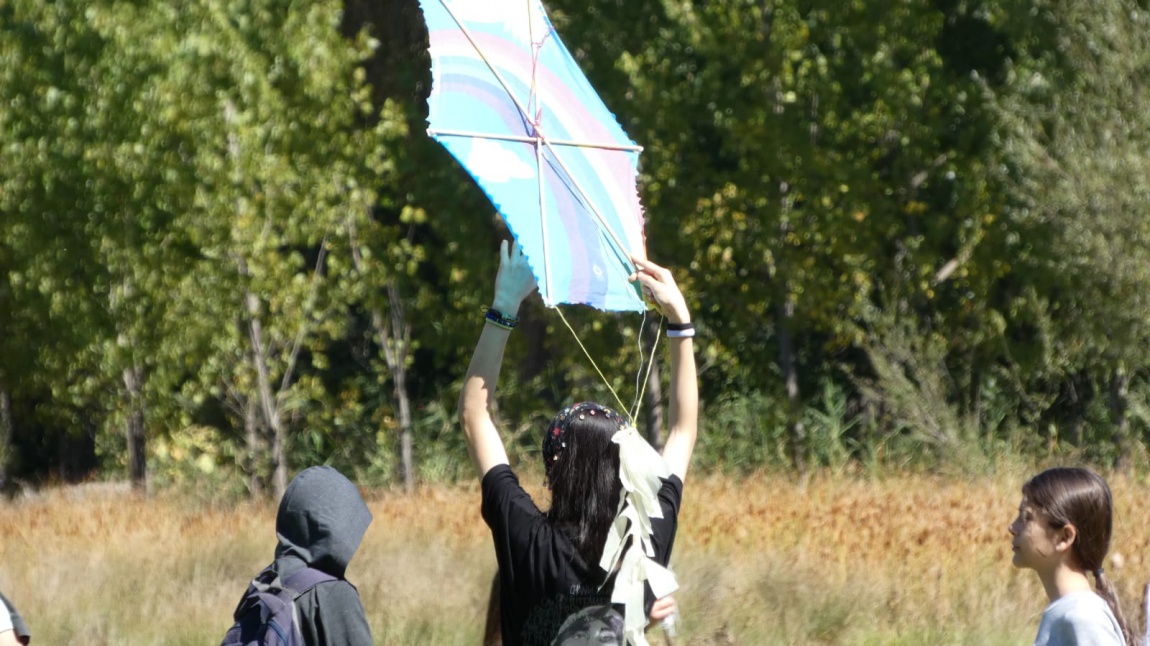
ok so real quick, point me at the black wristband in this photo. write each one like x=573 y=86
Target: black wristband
x=679 y=327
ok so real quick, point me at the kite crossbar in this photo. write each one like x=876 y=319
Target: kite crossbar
x=530 y=140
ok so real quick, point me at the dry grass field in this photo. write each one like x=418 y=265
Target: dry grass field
x=903 y=560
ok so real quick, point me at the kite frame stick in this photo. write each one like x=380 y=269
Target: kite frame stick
x=543 y=223
x=498 y=76
x=548 y=301
x=527 y=140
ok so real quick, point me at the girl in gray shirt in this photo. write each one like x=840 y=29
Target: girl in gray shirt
x=1079 y=617
x=1062 y=532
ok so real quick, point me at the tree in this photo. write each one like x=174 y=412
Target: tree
x=286 y=155
x=1075 y=129
x=90 y=210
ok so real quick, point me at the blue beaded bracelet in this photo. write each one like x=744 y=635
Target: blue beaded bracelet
x=500 y=320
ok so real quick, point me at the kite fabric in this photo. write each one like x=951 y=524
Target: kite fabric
x=510 y=103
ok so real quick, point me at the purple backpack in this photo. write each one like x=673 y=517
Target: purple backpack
x=266 y=616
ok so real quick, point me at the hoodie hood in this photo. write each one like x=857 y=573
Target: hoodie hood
x=321 y=520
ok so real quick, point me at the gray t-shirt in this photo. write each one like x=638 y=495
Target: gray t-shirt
x=1079 y=619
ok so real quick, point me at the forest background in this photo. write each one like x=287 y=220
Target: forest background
x=915 y=235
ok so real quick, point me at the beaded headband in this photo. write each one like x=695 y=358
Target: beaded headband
x=555 y=439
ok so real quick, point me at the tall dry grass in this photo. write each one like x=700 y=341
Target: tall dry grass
x=905 y=560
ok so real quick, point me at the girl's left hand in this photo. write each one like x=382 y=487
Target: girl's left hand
x=514 y=282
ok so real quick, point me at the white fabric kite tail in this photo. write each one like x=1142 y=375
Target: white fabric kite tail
x=640 y=470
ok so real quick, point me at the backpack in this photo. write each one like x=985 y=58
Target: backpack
x=266 y=615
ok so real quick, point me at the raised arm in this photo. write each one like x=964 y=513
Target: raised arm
x=513 y=284
x=659 y=286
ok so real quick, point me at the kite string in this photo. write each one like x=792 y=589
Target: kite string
x=638 y=376
x=645 y=376
x=594 y=365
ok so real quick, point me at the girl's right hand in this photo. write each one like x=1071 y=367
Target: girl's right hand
x=514 y=282
x=661 y=610
x=659 y=286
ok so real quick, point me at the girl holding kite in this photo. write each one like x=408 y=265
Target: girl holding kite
x=1062 y=532
x=607 y=537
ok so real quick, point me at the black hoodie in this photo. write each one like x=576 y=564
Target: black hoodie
x=321 y=522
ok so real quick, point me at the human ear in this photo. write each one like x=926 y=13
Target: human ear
x=1066 y=537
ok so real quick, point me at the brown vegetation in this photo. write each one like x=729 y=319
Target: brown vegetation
x=909 y=559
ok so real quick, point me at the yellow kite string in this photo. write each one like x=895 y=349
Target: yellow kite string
x=593 y=364
x=645 y=376
x=639 y=397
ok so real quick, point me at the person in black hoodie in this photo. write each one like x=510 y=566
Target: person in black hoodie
x=321 y=521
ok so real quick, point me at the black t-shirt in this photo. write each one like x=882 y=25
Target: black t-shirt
x=543 y=581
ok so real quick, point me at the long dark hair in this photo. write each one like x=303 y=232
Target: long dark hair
x=583 y=475
x=1079 y=497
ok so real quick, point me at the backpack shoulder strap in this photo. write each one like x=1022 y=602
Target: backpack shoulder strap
x=305 y=580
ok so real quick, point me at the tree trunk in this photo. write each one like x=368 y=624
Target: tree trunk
x=784 y=315
x=253 y=446
x=392 y=352
x=393 y=334
x=137 y=440
x=279 y=463
x=268 y=401
x=784 y=311
x=653 y=394
x=406 y=442
x=398 y=332
x=974 y=395
x=1119 y=405
x=399 y=378
x=395 y=356
x=6 y=435
x=1078 y=419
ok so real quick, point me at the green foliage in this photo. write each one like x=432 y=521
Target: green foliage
x=227 y=218
x=199 y=462
x=743 y=433
x=830 y=428
x=442 y=453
